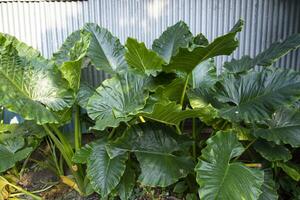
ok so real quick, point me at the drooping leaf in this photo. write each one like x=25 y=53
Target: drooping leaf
x=23 y=49
x=84 y=93
x=221 y=178
x=265 y=58
x=103 y=172
x=105 y=50
x=126 y=185
x=172 y=90
x=283 y=128
x=11 y=152
x=168 y=44
x=256 y=95
x=73 y=48
x=161 y=80
x=277 y=50
x=271 y=151
x=269 y=190
x=74 y=62
x=116 y=99
x=290 y=169
x=204 y=74
x=201 y=99
x=142 y=59
x=240 y=65
x=32 y=83
x=154 y=146
x=172 y=113
x=186 y=60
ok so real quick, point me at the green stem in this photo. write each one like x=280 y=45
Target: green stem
x=194 y=138
x=246 y=148
x=24 y=166
x=63 y=140
x=21 y=190
x=184 y=90
x=178 y=130
x=78 y=135
x=66 y=151
x=111 y=134
x=54 y=157
x=2 y=115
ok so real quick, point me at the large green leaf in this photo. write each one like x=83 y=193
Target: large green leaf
x=187 y=59
x=204 y=74
x=25 y=129
x=201 y=99
x=142 y=59
x=12 y=151
x=265 y=58
x=84 y=93
x=277 y=50
x=172 y=113
x=154 y=146
x=74 y=47
x=103 y=172
x=105 y=50
x=17 y=141
x=241 y=65
x=32 y=83
x=269 y=189
x=271 y=151
x=256 y=95
x=83 y=154
x=117 y=99
x=168 y=44
x=72 y=60
x=127 y=183
x=23 y=49
x=221 y=178
x=284 y=128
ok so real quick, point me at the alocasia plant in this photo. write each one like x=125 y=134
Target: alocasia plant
x=149 y=117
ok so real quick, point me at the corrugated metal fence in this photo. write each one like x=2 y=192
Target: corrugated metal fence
x=45 y=25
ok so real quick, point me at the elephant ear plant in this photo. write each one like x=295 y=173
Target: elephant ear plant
x=164 y=118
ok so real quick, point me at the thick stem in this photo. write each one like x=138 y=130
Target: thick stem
x=66 y=150
x=194 y=138
x=63 y=140
x=178 y=130
x=184 y=90
x=111 y=134
x=78 y=135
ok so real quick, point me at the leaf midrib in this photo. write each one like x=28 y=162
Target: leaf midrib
x=223 y=179
x=147 y=152
x=16 y=86
x=264 y=94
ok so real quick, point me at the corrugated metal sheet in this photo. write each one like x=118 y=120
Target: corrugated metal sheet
x=45 y=25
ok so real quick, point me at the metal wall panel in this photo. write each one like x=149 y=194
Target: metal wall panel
x=45 y=25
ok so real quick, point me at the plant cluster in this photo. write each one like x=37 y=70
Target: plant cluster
x=164 y=119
